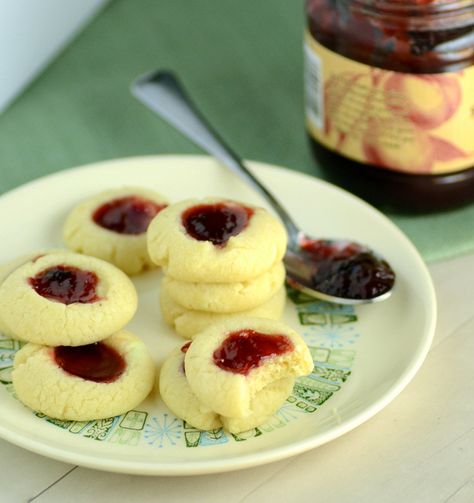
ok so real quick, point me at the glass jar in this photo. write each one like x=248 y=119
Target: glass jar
x=389 y=87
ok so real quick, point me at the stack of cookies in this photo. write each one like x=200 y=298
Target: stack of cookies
x=77 y=363
x=235 y=374
x=221 y=259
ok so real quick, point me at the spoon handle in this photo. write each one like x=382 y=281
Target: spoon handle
x=162 y=93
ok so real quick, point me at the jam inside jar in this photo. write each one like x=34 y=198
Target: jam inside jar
x=390 y=99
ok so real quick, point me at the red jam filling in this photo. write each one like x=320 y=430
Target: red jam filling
x=94 y=362
x=127 y=215
x=66 y=284
x=245 y=350
x=185 y=347
x=351 y=271
x=216 y=223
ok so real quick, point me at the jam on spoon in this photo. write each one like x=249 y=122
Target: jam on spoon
x=242 y=351
x=127 y=215
x=162 y=93
x=66 y=284
x=341 y=269
x=216 y=223
x=93 y=362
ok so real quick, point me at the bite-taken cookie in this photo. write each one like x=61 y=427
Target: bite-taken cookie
x=188 y=323
x=215 y=241
x=226 y=297
x=180 y=399
x=264 y=404
x=88 y=382
x=230 y=362
x=66 y=299
x=112 y=226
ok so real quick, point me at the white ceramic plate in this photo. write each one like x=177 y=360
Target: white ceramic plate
x=363 y=357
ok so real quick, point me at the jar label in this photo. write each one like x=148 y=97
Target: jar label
x=415 y=123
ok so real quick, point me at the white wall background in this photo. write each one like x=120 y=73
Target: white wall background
x=32 y=33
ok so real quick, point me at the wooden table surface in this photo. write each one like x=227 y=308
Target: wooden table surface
x=420 y=448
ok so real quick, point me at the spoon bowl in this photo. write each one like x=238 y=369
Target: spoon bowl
x=336 y=271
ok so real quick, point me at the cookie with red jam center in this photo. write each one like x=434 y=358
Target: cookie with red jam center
x=112 y=226
x=7 y=268
x=181 y=400
x=215 y=241
x=87 y=382
x=229 y=363
x=66 y=299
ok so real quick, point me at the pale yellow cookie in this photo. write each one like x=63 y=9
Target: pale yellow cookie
x=188 y=323
x=246 y=255
x=178 y=396
x=265 y=403
x=226 y=297
x=180 y=399
x=9 y=267
x=44 y=386
x=36 y=318
x=230 y=362
x=127 y=251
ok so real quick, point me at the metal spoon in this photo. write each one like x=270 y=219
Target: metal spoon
x=332 y=270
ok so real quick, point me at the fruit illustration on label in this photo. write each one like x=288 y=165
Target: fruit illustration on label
x=413 y=152
x=391 y=119
x=429 y=100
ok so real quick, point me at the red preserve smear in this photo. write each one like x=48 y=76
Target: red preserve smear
x=351 y=271
x=216 y=223
x=185 y=347
x=66 y=284
x=94 y=362
x=245 y=350
x=127 y=215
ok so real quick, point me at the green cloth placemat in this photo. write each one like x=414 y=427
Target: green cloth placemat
x=241 y=59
